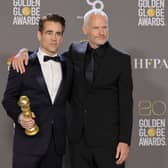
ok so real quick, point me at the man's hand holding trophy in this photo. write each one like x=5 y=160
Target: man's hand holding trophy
x=26 y=118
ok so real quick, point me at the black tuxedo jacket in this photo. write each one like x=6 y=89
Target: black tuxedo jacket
x=102 y=113
x=32 y=84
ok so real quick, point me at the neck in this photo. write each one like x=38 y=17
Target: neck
x=93 y=46
x=51 y=54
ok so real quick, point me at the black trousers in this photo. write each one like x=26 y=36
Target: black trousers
x=85 y=156
x=51 y=159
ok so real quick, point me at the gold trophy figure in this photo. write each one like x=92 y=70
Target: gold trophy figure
x=24 y=104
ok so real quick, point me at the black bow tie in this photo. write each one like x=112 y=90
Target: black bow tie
x=47 y=58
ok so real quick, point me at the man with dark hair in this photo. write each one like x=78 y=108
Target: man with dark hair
x=46 y=83
x=52 y=18
x=100 y=113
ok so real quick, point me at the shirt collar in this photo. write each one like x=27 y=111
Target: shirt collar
x=99 y=51
x=41 y=54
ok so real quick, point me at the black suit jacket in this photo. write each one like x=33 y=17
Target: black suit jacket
x=102 y=112
x=32 y=84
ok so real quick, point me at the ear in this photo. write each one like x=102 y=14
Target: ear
x=84 y=29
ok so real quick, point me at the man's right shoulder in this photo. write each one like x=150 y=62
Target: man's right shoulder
x=32 y=54
x=32 y=58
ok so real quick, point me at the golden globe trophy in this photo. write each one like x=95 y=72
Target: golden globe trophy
x=24 y=104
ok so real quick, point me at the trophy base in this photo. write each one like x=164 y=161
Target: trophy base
x=33 y=131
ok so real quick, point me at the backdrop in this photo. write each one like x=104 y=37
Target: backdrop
x=138 y=27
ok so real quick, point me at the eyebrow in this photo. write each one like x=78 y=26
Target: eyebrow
x=50 y=31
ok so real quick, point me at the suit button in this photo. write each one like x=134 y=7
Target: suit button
x=85 y=111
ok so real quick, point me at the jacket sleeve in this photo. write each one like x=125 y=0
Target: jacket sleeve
x=11 y=95
x=125 y=101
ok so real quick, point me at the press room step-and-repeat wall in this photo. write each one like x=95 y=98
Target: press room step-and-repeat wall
x=138 y=27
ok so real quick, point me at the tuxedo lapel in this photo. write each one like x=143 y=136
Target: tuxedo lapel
x=39 y=75
x=63 y=81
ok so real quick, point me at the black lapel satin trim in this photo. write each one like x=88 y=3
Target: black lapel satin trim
x=39 y=75
x=63 y=82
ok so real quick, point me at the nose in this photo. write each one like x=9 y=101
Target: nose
x=102 y=31
x=54 y=37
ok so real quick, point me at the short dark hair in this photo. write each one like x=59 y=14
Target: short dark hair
x=52 y=18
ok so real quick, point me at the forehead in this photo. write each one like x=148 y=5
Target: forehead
x=97 y=19
x=50 y=25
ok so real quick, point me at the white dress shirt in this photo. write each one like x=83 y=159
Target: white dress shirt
x=52 y=74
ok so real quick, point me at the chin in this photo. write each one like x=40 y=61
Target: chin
x=53 y=51
x=101 y=43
